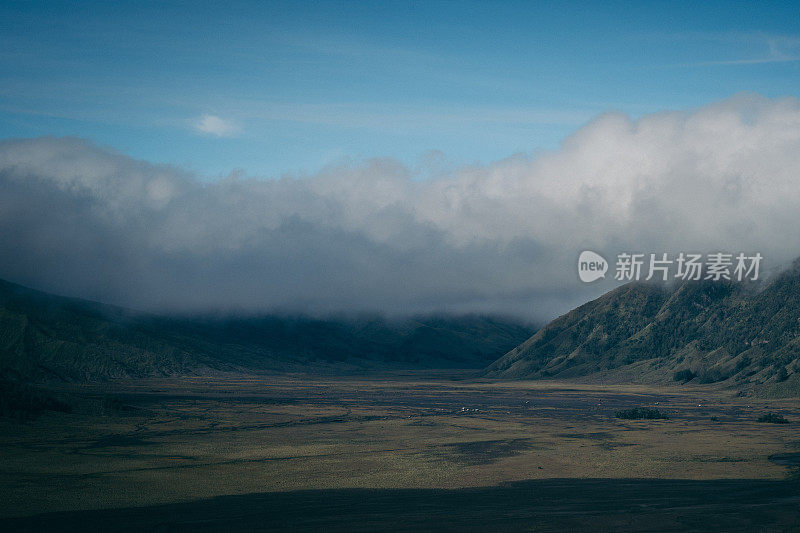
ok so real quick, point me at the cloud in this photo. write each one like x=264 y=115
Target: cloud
x=767 y=48
x=755 y=61
x=366 y=236
x=213 y=125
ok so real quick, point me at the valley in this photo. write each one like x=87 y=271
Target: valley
x=400 y=449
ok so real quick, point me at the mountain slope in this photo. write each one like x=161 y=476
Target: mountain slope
x=702 y=331
x=46 y=337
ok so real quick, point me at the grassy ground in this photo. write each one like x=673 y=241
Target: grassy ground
x=178 y=442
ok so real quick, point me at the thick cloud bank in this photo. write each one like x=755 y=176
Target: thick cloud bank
x=83 y=220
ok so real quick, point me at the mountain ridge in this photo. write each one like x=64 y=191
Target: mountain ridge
x=44 y=337
x=741 y=334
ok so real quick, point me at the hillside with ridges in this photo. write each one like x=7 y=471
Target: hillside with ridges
x=744 y=335
x=45 y=337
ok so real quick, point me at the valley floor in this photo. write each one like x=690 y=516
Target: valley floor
x=399 y=452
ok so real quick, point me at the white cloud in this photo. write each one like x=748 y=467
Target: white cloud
x=81 y=220
x=765 y=47
x=214 y=125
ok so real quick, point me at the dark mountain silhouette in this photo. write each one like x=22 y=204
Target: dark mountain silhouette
x=45 y=337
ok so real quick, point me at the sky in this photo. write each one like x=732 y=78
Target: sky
x=387 y=156
x=289 y=87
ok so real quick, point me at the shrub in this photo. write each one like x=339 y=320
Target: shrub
x=641 y=413
x=713 y=376
x=773 y=418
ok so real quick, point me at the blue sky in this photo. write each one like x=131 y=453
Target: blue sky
x=288 y=87
x=551 y=128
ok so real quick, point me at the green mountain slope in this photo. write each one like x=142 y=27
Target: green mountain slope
x=702 y=331
x=45 y=337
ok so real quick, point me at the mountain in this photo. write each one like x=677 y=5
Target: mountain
x=45 y=337
x=745 y=335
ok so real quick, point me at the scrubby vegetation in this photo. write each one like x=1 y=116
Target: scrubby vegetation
x=773 y=418
x=640 y=413
x=684 y=375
